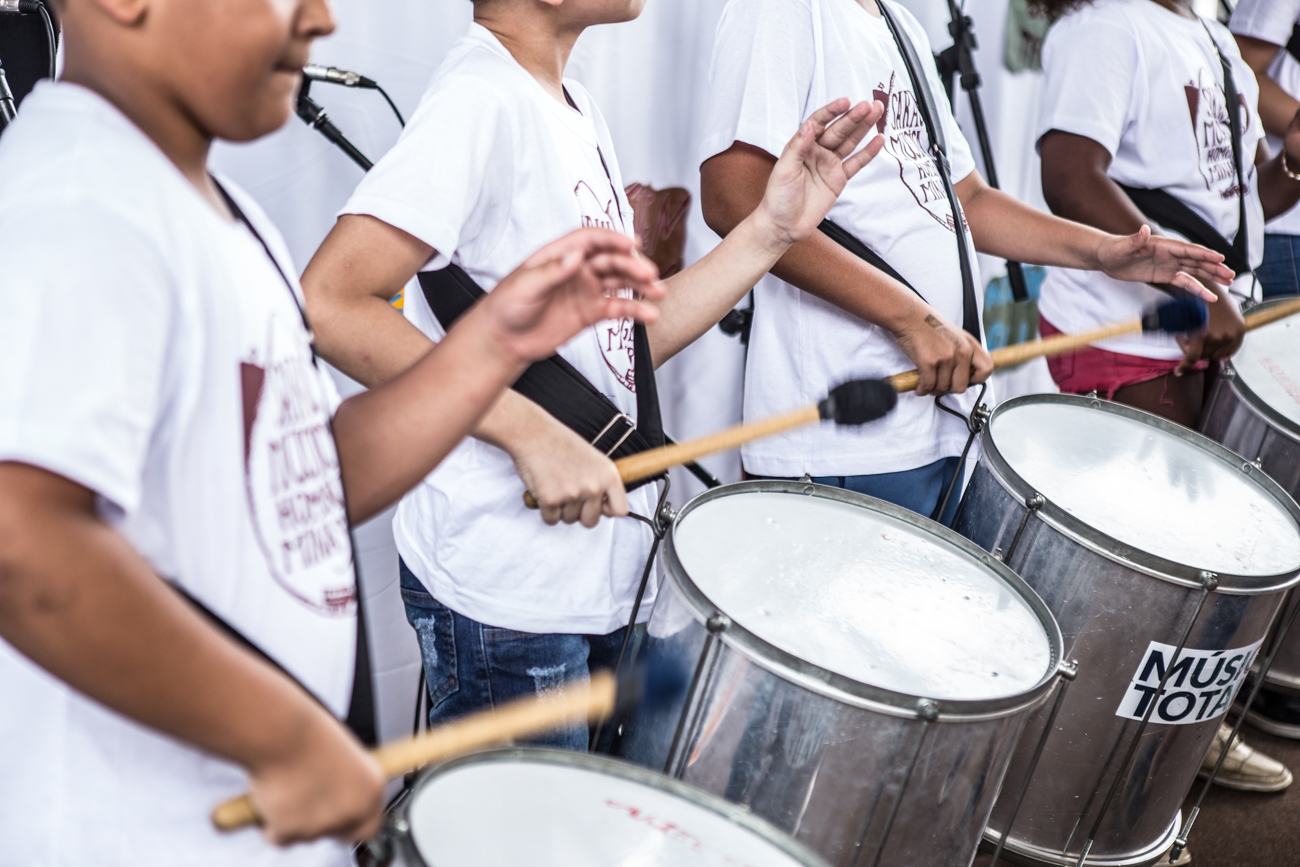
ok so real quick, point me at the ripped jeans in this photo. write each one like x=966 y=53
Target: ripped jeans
x=471 y=666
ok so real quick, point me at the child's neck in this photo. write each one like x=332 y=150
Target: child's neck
x=535 y=40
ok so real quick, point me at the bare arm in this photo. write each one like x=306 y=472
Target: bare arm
x=732 y=186
x=1077 y=188
x=363 y=263
x=77 y=600
x=1276 y=106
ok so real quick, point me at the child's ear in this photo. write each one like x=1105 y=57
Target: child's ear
x=128 y=12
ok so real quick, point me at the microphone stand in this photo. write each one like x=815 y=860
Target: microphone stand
x=959 y=57
x=314 y=116
x=8 y=110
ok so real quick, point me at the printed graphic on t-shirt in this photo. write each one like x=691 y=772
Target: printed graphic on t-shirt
x=291 y=475
x=614 y=335
x=906 y=141
x=1207 y=105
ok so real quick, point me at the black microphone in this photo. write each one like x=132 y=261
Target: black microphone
x=312 y=71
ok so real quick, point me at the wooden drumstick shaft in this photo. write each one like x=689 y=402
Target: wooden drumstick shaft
x=590 y=701
x=1260 y=318
x=654 y=461
x=1057 y=344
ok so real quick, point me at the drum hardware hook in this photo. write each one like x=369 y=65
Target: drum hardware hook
x=718 y=623
x=806 y=477
x=1068 y=671
x=658 y=527
x=979 y=416
x=927 y=711
x=1227 y=373
x=997 y=555
x=1258 y=462
x=1180 y=843
x=1209 y=582
x=1033 y=503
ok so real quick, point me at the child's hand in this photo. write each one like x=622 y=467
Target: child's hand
x=568 y=285
x=816 y=165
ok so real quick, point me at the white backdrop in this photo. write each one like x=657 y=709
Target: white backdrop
x=650 y=79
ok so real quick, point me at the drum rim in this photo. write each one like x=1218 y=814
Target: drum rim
x=1232 y=375
x=1113 y=549
x=841 y=687
x=734 y=813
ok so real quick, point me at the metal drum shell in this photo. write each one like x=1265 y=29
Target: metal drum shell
x=818 y=755
x=407 y=853
x=1242 y=421
x=1110 y=600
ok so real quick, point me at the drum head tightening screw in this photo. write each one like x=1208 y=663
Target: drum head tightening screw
x=718 y=623
x=1209 y=580
x=927 y=710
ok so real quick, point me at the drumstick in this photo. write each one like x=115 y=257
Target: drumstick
x=592 y=701
x=1174 y=317
x=1260 y=318
x=852 y=403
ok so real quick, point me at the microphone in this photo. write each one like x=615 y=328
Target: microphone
x=312 y=71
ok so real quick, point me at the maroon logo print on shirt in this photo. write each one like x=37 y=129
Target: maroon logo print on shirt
x=1208 y=108
x=291 y=476
x=907 y=141
x=614 y=335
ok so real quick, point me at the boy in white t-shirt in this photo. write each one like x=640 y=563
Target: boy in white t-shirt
x=503 y=604
x=825 y=314
x=1265 y=33
x=163 y=420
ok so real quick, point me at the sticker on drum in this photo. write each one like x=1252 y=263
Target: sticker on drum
x=1269 y=364
x=862 y=594
x=547 y=808
x=1202 y=685
x=1147 y=488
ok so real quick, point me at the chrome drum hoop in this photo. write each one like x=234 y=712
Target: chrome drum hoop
x=399 y=830
x=838 y=687
x=1110 y=547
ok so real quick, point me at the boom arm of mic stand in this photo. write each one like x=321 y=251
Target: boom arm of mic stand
x=314 y=116
x=960 y=58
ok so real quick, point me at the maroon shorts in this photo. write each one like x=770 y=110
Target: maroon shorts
x=1094 y=369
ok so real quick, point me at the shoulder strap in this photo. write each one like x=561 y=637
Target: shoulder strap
x=851 y=243
x=1241 y=243
x=939 y=152
x=557 y=386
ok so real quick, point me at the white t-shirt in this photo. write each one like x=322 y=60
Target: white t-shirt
x=1272 y=21
x=490 y=168
x=775 y=63
x=1146 y=84
x=153 y=354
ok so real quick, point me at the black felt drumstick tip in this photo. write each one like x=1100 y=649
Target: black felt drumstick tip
x=858 y=401
x=651 y=685
x=1177 y=316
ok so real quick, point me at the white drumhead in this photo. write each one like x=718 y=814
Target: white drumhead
x=1149 y=489
x=541 y=814
x=864 y=595
x=1269 y=365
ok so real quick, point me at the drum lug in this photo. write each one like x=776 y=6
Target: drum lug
x=718 y=623
x=1068 y=669
x=997 y=554
x=1227 y=372
x=1209 y=581
x=927 y=710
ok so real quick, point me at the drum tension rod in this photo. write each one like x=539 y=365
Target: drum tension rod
x=1209 y=582
x=927 y=711
x=1181 y=842
x=1068 y=671
x=975 y=422
x=1032 y=505
x=714 y=626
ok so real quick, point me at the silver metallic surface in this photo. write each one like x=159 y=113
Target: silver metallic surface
x=1112 y=599
x=549 y=808
x=1254 y=410
x=818 y=754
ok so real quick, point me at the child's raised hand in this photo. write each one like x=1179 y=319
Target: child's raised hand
x=568 y=285
x=816 y=165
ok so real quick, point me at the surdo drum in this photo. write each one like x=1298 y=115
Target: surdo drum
x=1254 y=410
x=860 y=674
x=547 y=808
x=1142 y=537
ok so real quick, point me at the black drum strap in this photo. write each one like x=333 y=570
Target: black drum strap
x=970 y=320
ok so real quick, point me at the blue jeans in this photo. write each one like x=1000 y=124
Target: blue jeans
x=471 y=666
x=918 y=490
x=1279 y=274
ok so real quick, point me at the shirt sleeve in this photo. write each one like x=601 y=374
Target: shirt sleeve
x=431 y=183
x=760 y=77
x=83 y=341
x=1269 y=20
x=1089 y=69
